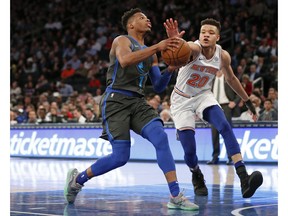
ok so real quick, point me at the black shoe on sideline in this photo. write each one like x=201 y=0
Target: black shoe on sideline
x=229 y=161
x=213 y=161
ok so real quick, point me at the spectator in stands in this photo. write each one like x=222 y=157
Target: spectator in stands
x=81 y=73
x=15 y=90
x=90 y=114
x=83 y=95
x=255 y=98
x=269 y=113
x=165 y=115
x=253 y=75
x=165 y=104
x=245 y=67
x=98 y=95
x=90 y=99
x=77 y=114
x=239 y=72
x=274 y=48
x=28 y=108
x=49 y=113
x=54 y=73
x=273 y=96
x=30 y=67
x=65 y=89
x=32 y=117
x=88 y=62
x=42 y=84
x=46 y=105
x=67 y=72
x=261 y=65
x=13 y=116
x=75 y=62
x=264 y=48
x=259 y=93
x=92 y=71
x=154 y=100
x=67 y=116
x=81 y=40
x=29 y=88
x=247 y=84
x=58 y=99
x=94 y=82
x=41 y=114
x=69 y=51
x=54 y=116
x=21 y=116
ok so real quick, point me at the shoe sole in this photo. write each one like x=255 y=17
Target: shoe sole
x=68 y=182
x=255 y=181
x=172 y=206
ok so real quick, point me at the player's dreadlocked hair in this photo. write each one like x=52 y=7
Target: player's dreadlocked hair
x=126 y=16
x=210 y=21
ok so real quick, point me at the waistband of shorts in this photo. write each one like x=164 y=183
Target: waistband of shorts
x=124 y=92
x=179 y=92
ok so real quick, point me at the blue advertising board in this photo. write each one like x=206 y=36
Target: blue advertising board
x=257 y=144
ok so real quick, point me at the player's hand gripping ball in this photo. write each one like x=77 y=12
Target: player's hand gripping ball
x=177 y=57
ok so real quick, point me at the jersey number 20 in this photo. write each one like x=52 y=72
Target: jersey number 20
x=197 y=81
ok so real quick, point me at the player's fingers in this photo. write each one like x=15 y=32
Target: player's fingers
x=181 y=34
x=168 y=23
x=172 y=23
x=175 y=24
x=165 y=25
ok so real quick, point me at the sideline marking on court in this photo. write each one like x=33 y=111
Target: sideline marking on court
x=236 y=212
x=31 y=213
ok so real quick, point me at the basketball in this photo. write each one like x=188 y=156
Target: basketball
x=179 y=56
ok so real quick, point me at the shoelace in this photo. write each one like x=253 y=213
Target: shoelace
x=181 y=196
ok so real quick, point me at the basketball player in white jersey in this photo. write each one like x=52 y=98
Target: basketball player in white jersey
x=192 y=96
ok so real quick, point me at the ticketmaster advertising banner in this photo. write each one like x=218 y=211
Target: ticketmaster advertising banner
x=256 y=144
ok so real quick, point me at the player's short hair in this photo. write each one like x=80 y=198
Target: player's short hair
x=127 y=15
x=211 y=21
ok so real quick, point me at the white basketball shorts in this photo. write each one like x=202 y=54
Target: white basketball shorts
x=185 y=110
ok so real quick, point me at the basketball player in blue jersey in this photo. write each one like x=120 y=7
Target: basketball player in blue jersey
x=192 y=96
x=123 y=107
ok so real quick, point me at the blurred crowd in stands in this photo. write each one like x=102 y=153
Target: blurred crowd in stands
x=60 y=53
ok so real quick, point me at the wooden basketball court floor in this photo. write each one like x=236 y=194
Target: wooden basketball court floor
x=138 y=188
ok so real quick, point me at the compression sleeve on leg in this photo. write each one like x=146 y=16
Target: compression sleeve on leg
x=215 y=116
x=188 y=142
x=154 y=132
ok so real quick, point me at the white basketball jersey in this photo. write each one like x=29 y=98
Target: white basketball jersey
x=198 y=75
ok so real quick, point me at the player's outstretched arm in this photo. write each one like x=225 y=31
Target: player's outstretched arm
x=171 y=27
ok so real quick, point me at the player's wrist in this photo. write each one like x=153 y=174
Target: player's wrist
x=250 y=106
